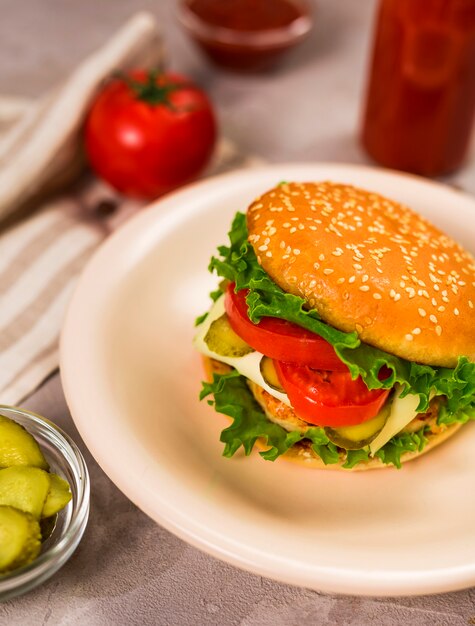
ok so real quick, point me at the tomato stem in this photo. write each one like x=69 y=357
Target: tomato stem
x=151 y=91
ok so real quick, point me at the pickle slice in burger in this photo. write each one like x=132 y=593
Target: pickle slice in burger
x=222 y=339
x=269 y=374
x=360 y=435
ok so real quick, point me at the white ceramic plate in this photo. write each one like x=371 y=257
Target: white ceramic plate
x=132 y=381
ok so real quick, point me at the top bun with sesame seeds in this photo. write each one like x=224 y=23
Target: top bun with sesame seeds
x=371 y=265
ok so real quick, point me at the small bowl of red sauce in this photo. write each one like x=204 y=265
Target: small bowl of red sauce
x=246 y=35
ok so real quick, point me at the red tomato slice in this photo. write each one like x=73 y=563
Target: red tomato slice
x=278 y=338
x=329 y=398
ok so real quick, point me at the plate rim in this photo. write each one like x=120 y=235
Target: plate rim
x=332 y=580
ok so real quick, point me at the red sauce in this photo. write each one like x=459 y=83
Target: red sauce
x=421 y=96
x=250 y=15
x=257 y=32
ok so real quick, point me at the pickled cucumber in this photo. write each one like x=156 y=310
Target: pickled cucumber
x=20 y=538
x=30 y=497
x=222 y=339
x=58 y=496
x=269 y=374
x=24 y=488
x=361 y=435
x=18 y=447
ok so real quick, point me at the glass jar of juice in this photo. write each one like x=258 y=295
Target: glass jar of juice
x=421 y=96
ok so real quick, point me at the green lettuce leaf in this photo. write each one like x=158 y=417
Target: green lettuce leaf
x=238 y=263
x=400 y=444
x=232 y=397
x=353 y=457
x=463 y=416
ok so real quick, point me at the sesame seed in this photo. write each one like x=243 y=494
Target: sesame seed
x=364 y=278
x=397 y=297
x=422 y=313
x=269 y=254
x=409 y=337
x=377 y=296
x=296 y=251
x=433 y=319
x=438 y=330
x=364 y=288
x=416 y=331
x=456 y=311
x=262 y=248
x=359 y=328
x=340 y=281
x=328 y=271
x=351 y=279
x=470 y=304
x=321 y=257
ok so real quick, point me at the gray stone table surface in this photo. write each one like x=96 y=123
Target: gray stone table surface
x=128 y=570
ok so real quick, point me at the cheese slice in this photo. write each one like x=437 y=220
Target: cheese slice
x=247 y=365
x=403 y=411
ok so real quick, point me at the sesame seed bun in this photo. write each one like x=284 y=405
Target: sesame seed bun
x=371 y=265
x=301 y=452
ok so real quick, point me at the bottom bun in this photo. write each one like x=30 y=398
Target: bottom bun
x=302 y=452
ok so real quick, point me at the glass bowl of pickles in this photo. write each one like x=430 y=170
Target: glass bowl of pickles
x=44 y=500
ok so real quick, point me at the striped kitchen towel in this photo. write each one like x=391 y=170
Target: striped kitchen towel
x=42 y=254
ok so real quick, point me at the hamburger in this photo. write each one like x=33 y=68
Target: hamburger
x=342 y=334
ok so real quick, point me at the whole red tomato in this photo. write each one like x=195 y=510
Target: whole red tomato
x=148 y=133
